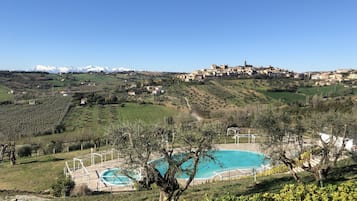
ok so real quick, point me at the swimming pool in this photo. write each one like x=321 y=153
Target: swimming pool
x=225 y=160
x=113 y=176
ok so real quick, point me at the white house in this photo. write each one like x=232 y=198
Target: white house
x=131 y=93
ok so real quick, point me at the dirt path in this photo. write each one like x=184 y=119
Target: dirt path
x=193 y=114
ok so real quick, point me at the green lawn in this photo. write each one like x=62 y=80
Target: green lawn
x=286 y=97
x=145 y=112
x=334 y=90
x=96 y=78
x=34 y=174
x=4 y=95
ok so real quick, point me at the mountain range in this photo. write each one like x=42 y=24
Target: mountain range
x=90 y=68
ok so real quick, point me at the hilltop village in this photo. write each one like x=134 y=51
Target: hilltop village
x=250 y=71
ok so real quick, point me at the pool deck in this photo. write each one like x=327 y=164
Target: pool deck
x=242 y=146
x=92 y=179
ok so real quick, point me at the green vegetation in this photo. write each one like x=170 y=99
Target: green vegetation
x=4 y=94
x=246 y=188
x=345 y=191
x=328 y=91
x=42 y=117
x=286 y=97
x=37 y=174
x=232 y=102
x=63 y=186
x=34 y=174
x=92 y=121
x=95 y=78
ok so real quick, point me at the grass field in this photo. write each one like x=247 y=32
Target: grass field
x=286 y=97
x=34 y=174
x=95 y=78
x=334 y=90
x=91 y=122
x=98 y=116
x=4 y=95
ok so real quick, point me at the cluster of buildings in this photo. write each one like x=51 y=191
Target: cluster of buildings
x=249 y=71
x=154 y=90
x=244 y=71
x=333 y=77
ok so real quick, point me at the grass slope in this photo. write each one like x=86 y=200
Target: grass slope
x=4 y=95
x=34 y=174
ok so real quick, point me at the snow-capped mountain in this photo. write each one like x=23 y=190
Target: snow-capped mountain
x=90 y=68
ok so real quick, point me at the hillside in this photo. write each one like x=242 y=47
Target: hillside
x=107 y=99
x=66 y=113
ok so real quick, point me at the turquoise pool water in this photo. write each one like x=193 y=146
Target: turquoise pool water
x=114 y=177
x=225 y=160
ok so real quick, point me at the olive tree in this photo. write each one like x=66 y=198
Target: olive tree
x=338 y=127
x=8 y=150
x=283 y=137
x=139 y=143
x=279 y=127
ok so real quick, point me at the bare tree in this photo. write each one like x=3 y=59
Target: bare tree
x=139 y=143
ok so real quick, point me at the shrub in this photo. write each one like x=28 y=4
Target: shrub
x=81 y=190
x=48 y=149
x=88 y=145
x=24 y=151
x=73 y=147
x=275 y=170
x=345 y=191
x=63 y=185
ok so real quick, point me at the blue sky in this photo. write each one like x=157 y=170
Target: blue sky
x=178 y=35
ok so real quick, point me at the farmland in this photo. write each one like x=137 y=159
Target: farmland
x=53 y=113
x=82 y=121
x=40 y=118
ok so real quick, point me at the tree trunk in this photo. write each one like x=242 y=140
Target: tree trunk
x=163 y=196
x=12 y=157
x=290 y=164
x=2 y=152
x=296 y=177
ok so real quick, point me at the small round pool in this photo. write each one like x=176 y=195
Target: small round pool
x=114 y=177
x=224 y=160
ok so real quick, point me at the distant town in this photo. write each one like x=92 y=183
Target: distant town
x=250 y=71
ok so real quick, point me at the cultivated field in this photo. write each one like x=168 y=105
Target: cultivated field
x=43 y=117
